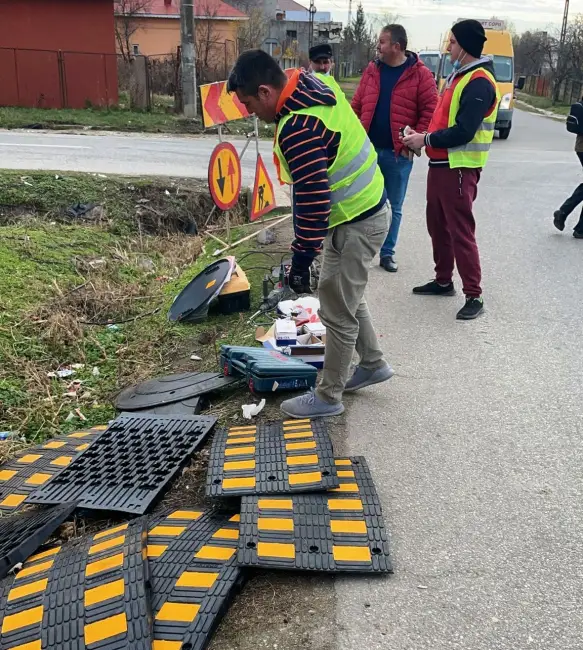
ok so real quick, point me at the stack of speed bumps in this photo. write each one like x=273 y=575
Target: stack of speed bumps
x=302 y=508
x=163 y=581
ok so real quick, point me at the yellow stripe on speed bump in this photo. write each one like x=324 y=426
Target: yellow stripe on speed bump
x=33 y=570
x=43 y=555
x=104 y=592
x=166 y=645
x=215 y=553
x=345 y=487
x=235 y=518
x=226 y=533
x=109 y=531
x=168 y=531
x=295 y=436
x=252 y=429
x=7 y=474
x=38 y=479
x=267 y=549
x=13 y=500
x=292 y=446
x=105 y=629
x=62 y=461
x=29 y=458
x=231 y=466
x=242 y=482
x=54 y=444
x=267 y=523
x=342 y=462
x=109 y=543
x=351 y=553
x=292 y=422
x=156 y=550
x=22 y=619
x=82 y=447
x=345 y=504
x=343 y=473
x=112 y=562
x=275 y=504
x=197 y=580
x=238 y=441
x=240 y=451
x=310 y=459
x=27 y=590
x=180 y=612
x=190 y=515
x=304 y=478
x=348 y=526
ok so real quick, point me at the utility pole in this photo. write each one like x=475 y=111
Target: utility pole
x=561 y=54
x=564 y=26
x=188 y=61
x=349 y=13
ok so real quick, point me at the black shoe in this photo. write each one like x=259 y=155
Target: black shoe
x=577 y=235
x=559 y=220
x=472 y=309
x=433 y=288
x=388 y=263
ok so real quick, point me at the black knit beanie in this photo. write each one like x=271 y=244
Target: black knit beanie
x=471 y=36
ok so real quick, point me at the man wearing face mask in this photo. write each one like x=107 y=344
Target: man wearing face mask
x=458 y=143
x=321 y=59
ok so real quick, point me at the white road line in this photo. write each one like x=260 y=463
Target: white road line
x=49 y=146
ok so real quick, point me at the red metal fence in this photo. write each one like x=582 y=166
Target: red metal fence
x=56 y=79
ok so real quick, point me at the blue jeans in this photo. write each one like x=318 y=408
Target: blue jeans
x=396 y=172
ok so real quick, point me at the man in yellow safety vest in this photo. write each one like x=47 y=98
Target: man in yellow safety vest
x=458 y=144
x=340 y=207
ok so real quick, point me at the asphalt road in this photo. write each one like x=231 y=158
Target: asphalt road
x=476 y=443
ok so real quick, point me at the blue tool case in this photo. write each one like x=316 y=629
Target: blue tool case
x=267 y=370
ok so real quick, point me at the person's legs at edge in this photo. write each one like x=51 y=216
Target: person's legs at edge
x=348 y=251
x=560 y=215
x=396 y=172
x=462 y=192
x=439 y=232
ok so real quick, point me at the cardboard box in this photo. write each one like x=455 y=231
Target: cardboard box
x=285 y=332
x=317 y=329
x=308 y=348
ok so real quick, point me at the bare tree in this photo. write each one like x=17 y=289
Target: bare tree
x=127 y=13
x=211 y=53
x=252 y=32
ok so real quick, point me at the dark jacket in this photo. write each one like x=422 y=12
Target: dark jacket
x=476 y=101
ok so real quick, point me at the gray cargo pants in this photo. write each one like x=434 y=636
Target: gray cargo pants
x=348 y=252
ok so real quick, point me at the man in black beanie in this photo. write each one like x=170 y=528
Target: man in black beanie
x=458 y=143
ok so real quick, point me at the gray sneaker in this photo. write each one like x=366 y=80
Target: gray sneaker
x=363 y=377
x=310 y=405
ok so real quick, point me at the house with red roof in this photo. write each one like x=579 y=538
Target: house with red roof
x=154 y=30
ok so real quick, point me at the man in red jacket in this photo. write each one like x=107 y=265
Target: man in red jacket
x=396 y=90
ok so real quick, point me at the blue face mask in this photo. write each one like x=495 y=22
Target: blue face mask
x=458 y=64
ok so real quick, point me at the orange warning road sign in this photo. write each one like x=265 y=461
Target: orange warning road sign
x=225 y=175
x=219 y=106
x=263 y=200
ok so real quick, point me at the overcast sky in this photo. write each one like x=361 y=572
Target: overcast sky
x=426 y=20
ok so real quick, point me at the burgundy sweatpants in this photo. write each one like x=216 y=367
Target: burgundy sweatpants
x=450 y=222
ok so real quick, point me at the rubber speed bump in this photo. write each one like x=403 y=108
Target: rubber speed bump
x=341 y=530
x=129 y=465
x=35 y=466
x=87 y=595
x=283 y=457
x=192 y=556
x=22 y=533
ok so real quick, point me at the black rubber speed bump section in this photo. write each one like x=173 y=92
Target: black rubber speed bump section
x=91 y=594
x=22 y=533
x=282 y=457
x=192 y=558
x=35 y=466
x=171 y=388
x=126 y=468
x=341 y=530
x=188 y=407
